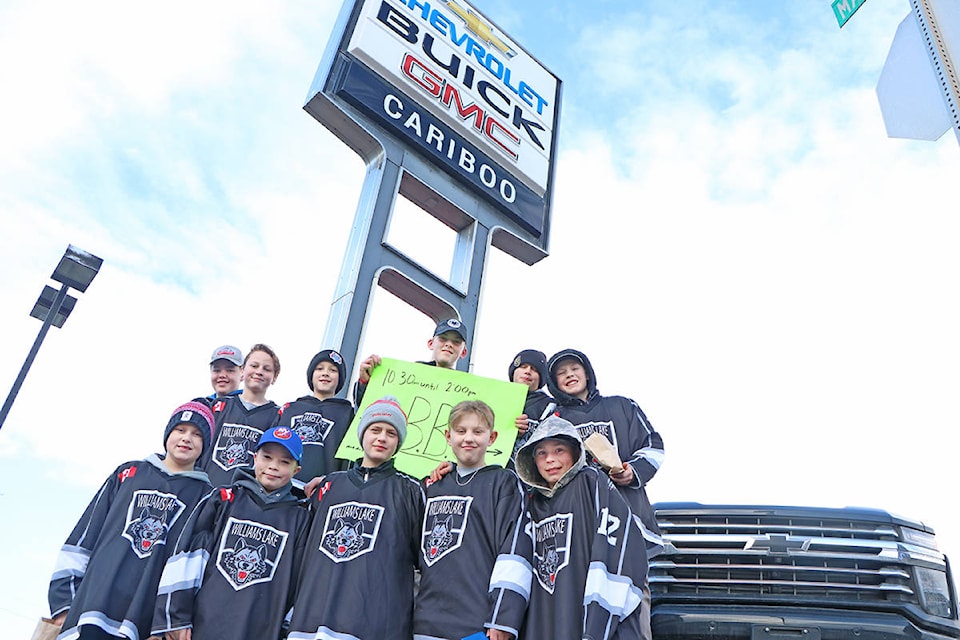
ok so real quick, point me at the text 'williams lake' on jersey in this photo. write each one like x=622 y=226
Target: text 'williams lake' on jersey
x=253 y=532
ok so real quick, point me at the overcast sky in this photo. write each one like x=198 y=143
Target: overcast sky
x=736 y=244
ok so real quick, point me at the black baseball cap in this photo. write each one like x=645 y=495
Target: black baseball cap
x=451 y=324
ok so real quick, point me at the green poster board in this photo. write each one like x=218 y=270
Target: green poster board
x=426 y=394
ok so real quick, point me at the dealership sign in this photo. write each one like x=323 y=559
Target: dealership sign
x=442 y=79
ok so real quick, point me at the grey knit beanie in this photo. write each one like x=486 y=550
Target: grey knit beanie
x=388 y=410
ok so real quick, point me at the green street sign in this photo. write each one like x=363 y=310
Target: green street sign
x=843 y=9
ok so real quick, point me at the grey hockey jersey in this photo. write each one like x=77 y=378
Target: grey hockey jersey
x=474 y=549
x=107 y=571
x=590 y=564
x=232 y=574
x=356 y=582
x=235 y=437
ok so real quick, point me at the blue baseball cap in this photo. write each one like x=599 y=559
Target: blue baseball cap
x=283 y=436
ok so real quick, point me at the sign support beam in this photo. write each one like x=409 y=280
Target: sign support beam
x=448 y=112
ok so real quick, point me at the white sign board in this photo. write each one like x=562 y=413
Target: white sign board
x=919 y=91
x=453 y=62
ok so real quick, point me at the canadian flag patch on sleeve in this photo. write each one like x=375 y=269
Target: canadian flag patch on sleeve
x=129 y=472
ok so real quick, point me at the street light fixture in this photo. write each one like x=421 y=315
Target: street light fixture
x=76 y=270
x=45 y=303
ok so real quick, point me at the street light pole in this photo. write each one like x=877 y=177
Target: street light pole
x=54 y=309
x=76 y=269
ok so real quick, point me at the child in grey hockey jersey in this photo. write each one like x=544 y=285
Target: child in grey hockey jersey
x=241 y=419
x=234 y=567
x=105 y=581
x=529 y=368
x=474 y=552
x=357 y=575
x=590 y=563
x=573 y=382
x=321 y=419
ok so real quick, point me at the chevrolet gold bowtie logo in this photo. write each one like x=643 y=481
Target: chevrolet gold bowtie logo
x=480 y=28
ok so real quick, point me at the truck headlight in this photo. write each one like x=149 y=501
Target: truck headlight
x=934 y=592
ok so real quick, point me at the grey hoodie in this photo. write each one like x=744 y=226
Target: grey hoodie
x=589 y=563
x=556 y=428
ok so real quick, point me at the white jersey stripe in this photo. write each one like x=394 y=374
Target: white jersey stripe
x=512 y=572
x=616 y=594
x=124 y=629
x=323 y=633
x=653 y=456
x=71 y=561
x=183 y=571
x=653 y=538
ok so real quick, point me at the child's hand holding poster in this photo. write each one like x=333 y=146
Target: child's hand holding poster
x=426 y=395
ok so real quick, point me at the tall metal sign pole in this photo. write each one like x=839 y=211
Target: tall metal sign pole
x=919 y=89
x=447 y=111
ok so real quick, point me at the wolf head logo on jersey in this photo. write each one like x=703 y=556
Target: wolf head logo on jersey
x=440 y=537
x=551 y=550
x=550 y=563
x=245 y=563
x=150 y=515
x=147 y=530
x=249 y=552
x=234 y=454
x=350 y=530
x=235 y=446
x=444 y=521
x=309 y=434
x=345 y=539
x=311 y=427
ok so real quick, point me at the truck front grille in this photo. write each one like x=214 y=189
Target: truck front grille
x=796 y=558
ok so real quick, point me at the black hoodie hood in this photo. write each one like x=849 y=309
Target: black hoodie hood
x=562 y=398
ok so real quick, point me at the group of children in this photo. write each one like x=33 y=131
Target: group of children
x=242 y=415
x=292 y=541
